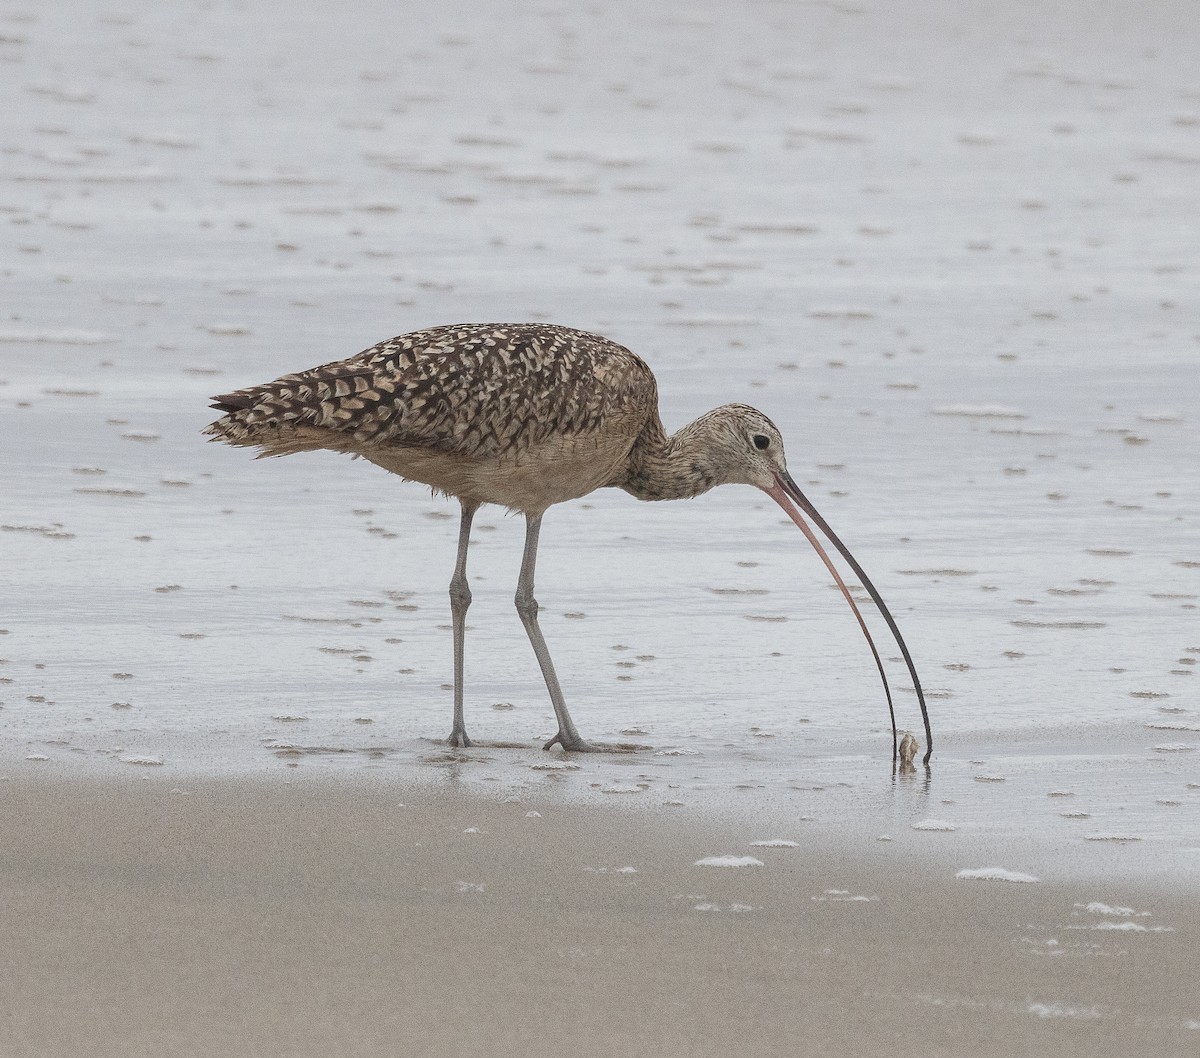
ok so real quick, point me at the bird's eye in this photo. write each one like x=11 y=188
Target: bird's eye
x=761 y=441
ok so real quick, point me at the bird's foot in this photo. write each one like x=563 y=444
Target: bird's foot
x=572 y=743
x=575 y=744
x=458 y=739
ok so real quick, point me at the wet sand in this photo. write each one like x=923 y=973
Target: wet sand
x=949 y=251
x=317 y=916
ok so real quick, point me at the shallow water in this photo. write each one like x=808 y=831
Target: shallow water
x=950 y=254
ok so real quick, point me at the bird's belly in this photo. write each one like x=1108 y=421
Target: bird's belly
x=532 y=480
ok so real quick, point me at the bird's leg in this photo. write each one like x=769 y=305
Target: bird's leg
x=460 y=599
x=527 y=607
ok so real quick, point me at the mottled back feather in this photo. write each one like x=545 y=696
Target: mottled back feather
x=483 y=391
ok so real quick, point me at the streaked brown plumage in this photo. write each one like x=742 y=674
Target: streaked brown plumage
x=521 y=415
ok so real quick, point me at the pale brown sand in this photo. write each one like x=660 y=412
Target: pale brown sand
x=210 y=917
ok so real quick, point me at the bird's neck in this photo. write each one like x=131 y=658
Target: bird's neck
x=662 y=467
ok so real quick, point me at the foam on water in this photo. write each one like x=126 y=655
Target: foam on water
x=729 y=861
x=1096 y=907
x=994 y=874
x=843 y=896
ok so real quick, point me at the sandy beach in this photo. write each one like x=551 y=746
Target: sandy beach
x=311 y=917
x=949 y=251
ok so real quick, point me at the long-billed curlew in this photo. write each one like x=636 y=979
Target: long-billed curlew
x=525 y=416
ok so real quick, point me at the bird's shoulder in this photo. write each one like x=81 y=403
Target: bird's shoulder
x=502 y=353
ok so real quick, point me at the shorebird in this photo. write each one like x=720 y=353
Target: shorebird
x=526 y=415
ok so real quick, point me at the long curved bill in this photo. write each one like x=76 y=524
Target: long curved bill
x=787 y=494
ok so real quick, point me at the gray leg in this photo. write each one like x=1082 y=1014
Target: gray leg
x=460 y=599
x=527 y=607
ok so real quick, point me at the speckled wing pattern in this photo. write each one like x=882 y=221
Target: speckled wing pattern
x=476 y=390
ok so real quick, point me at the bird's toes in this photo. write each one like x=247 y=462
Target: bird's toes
x=459 y=740
x=579 y=745
x=571 y=745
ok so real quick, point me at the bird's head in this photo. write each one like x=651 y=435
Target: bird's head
x=743 y=447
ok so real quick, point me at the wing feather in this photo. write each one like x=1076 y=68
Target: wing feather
x=476 y=390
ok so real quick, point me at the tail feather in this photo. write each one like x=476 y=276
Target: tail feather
x=236 y=401
x=300 y=412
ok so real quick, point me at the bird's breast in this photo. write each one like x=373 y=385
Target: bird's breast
x=531 y=480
